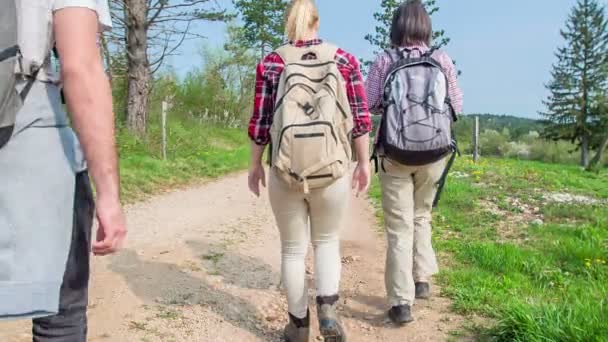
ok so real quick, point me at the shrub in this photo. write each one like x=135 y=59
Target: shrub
x=492 y=143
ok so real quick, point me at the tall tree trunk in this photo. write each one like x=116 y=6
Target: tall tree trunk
x=138 y=65
x=597 y=159
x=585 y=151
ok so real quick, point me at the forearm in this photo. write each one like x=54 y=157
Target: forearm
x=362 y=148
x=257 y=151
x=89 y=100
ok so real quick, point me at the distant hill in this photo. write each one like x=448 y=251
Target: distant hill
x=516 y=126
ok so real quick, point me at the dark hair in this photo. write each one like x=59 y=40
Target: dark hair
x=411 y=25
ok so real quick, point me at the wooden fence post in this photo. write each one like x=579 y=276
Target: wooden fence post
x=476 y=141
x=164 y=123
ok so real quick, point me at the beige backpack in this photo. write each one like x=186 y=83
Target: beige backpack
x=311 y=131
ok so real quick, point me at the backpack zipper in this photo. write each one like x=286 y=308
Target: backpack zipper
x=305 y=125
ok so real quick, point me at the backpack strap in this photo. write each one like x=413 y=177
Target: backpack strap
x=429 y=53
x=10 y=52
x=395 y=54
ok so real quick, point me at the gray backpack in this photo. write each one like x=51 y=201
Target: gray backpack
x=416 y=127
x=10 y=100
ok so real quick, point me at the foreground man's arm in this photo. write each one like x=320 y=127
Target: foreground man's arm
x=89 y=99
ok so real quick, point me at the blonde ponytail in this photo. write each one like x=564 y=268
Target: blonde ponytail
x=301 y=19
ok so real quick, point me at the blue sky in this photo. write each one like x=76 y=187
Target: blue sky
x=504 y=48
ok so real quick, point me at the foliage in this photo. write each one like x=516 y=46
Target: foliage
x=205 y=125
x=492 y=142
x=262 y=28
x=196 y=150
x=145 y=33
x=167 y=24
x=198 y=146
x=516 y=126
x=514 y=137
x=579 y=79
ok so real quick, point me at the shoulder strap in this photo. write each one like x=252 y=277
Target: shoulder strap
x=430 y=53
x=395 y=54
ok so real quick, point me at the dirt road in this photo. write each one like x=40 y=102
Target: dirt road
x=203 y=265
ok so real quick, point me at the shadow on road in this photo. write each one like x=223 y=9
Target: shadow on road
x=168 y=284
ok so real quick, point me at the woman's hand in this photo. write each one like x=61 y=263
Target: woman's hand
x=362 y=177
x=257 y=175
x=256 y=170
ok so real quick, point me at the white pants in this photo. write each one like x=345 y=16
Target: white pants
x=325 y=210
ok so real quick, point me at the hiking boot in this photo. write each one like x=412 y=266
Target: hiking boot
x=329 y=326
x=298 y=329
x=401 y=314
x=423 y=290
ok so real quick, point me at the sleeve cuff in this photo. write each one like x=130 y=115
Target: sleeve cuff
x=101 y=9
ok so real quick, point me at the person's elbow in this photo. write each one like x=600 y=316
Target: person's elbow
x=80 y=68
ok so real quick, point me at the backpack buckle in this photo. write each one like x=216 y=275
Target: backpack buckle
x=308 y=109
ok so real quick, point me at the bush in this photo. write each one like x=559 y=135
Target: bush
x=554 y=152
x=492 y=143
x=515 y=149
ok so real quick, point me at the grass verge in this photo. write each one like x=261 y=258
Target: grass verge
x=544 y=281
x=195 y=151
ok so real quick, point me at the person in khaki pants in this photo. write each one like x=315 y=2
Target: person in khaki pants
x=408 y=191
x=407 y=200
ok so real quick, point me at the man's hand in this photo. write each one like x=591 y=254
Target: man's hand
x=257 y=175
x=112 y=227
x=362 y=177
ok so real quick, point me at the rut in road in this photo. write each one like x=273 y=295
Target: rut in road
x=202 y=264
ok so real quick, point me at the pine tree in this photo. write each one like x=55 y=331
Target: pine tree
x=380 y=39
x=579 y=79
x=262 y=23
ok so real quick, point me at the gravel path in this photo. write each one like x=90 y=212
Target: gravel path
x=202 y=264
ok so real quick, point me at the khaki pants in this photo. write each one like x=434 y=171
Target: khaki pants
x=407 y=200
x=325 y=210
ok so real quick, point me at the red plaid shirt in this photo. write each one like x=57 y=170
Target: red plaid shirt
x=268 y=75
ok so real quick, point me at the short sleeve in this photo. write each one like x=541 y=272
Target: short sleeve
x=101 y=7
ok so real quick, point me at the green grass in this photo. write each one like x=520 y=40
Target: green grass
x=550 y=286
x=195 y=151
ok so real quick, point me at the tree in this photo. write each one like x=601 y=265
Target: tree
x=380 y=38
x=600 y=113
x=237 y=67
x=579 y=79
x=263 y=24
x=147 y=32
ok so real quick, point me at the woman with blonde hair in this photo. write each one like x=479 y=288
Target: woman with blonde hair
x=311 y=108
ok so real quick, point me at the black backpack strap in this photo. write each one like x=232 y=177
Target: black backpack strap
x=10 y=52
x=394 y=54
x=446 y=172
x=429 y=53
x=30 y=83
x=402 y=52
x=56 y=53
x=374 y=159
